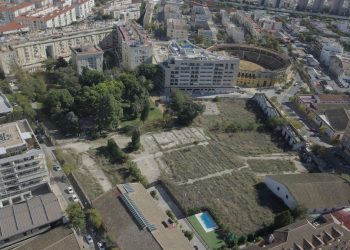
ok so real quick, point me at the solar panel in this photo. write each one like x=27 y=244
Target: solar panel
x=137 y=213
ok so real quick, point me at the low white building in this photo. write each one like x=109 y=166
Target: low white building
x=87 y=56
x=317 y=192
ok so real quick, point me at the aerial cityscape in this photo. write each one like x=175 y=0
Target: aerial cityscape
x=174 y=124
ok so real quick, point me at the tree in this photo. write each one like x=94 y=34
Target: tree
x=135 y=139
x=58 y=100
x=94 y=217
x=299 y=211
x=145 y=112
x=61 y=63
x=70 y=123
x=109 y=112
x=91 y=77
x=190 y=111
x=76 y=215
x=116 y=153
x=49 y=64
x=67 y=78
x=283 y=219
x=188 y=234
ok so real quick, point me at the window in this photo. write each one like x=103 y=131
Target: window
x=278 y=188
x=287 y=196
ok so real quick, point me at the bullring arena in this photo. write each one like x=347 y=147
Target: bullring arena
x=259 y=67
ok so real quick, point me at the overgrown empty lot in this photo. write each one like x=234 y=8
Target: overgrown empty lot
x=225 y=175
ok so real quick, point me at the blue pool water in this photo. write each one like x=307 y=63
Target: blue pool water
x=207 y=221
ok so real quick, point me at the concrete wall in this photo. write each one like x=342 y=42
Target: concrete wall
x=281 y=191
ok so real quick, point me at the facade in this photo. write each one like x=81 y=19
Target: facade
x=193 y=69
x=340 y=67
x=31 y=53
x=83 y=8
x=345 y=142
x=5 y=106
x=317 y=192
x=176 y=29
x=22 y=163
x=302 y=4
x=122 y=10
x=55 y=19
x=133 y=47
x=87 y=56
x=248 y=23
x=12 y=28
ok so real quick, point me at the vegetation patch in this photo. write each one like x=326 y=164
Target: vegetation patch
x=271 y=166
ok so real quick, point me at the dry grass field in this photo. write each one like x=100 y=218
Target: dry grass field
x=219 y=175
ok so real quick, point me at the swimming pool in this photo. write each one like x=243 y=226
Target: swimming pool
x=206 y=221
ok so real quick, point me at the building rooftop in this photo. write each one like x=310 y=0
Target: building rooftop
x=10 y=26
x=183 y=49
x=322 y=232
x=87 y=49
x=316 y=190
x=46 y=17
x=11 y=7
x=33 y=213
x=167 y=237
x=329 y=98
x=16 y=134
x=55 y=239
x=177 y=23
x=337 y=118
x=134 y=34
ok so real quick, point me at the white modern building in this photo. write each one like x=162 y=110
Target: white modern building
x=176 y=29
x=196 y=70
x=22 y=163
x=83 y=8
x=87 y=56
x=329 y=50
x=134 y=46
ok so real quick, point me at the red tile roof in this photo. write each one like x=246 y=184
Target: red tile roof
x=10 y=26
x=47 y=17
x=18 y=6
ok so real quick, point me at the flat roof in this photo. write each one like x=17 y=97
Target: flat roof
x=120 y=225
x=14 y=134
x=38 y=211
x=87 y=49
x=167 y=237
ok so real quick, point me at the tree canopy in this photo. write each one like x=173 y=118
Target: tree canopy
x=76 y=215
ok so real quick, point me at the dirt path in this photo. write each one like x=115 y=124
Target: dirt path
x=90 y=165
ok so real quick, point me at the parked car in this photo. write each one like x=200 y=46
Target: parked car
x=56 y=167
x=89 y=239
x=100 y=245
x=70 y=190
x=75 y=198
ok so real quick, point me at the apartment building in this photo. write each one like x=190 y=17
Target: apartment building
x=248 y=23
x=196 y=70
x=83 y=8
x=22 y=163
x=122 y=10
x=328 y=50
x=89 y=56
x=177 y=29
x=9 y=12
x=30 y=52
x=55 y=19
x=134 y=46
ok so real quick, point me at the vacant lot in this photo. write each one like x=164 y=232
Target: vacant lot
x=239 y=200
x=260 y=140
x=225 y=174
x=271 y=166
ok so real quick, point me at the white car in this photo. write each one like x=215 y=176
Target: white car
x=100 y=245
x=70 y=190
x=75 y=198
x=89 y=239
